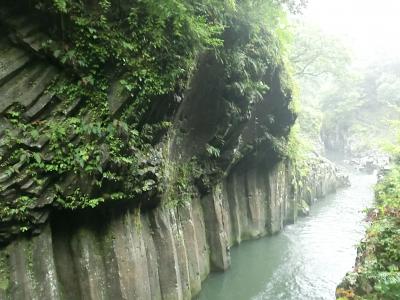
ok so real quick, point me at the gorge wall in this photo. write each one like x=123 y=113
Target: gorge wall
x=100 y=199
x=162 y=254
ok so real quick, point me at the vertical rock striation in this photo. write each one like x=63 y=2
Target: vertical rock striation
x=164 y=253
x=114 y=251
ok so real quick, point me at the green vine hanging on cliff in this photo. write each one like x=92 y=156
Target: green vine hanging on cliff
x=121 y=57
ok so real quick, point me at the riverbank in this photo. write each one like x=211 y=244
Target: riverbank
x=377 y=272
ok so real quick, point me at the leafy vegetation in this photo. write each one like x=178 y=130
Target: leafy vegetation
x=351 y=108
x=133 y=53
x=344 y=106
x=319 y=63
x=362 y=104
x=377 y=274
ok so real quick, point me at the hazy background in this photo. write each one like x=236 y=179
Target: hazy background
x=370 y=28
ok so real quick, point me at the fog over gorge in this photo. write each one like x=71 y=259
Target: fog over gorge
x=369 y=28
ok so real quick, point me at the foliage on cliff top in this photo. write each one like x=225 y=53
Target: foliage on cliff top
x=149 y=48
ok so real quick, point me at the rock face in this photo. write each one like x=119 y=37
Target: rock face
x=201 y=117
x=116 y=251
x=162 y=254
x=336 y=139
x=26 y=78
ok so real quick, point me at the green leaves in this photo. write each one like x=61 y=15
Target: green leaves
x=79 y=200
x=212 y=151
x=379 y=254
x=37 y=157
x=60 y=5
x=150 y=48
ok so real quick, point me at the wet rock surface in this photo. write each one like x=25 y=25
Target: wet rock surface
x=117 y=252
x=161 y=254
x=369 y=162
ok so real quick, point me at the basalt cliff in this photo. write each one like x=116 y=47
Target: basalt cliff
x=117 y=185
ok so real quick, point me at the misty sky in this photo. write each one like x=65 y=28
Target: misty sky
x=370 y=27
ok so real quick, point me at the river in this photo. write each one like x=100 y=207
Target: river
x=306 y=260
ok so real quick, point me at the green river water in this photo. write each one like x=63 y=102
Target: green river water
x=306 y=260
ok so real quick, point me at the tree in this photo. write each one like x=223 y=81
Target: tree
x=315 y=54
x=318 y=61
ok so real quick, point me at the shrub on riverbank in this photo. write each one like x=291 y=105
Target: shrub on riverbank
x=376 y=275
